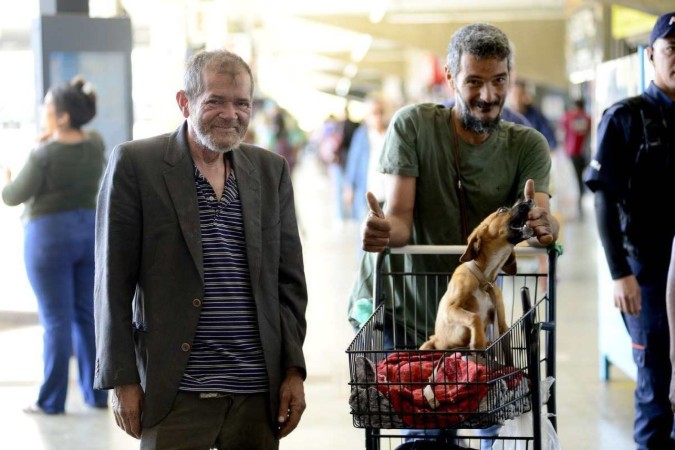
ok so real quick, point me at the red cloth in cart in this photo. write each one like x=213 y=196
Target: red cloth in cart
x=458 y=386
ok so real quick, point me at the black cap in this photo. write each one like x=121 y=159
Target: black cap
x=664 y=26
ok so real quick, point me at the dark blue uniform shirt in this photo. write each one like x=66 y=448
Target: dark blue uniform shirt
x=643 y=181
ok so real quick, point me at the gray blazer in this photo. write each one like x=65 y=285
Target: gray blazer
x=149 y=274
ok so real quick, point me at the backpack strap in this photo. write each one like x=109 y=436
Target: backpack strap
x=652 y=121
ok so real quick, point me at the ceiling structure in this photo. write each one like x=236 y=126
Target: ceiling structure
x=321 y=39
x=655 y=7
x=362 y=42
x=327 y=39
x=350 y=47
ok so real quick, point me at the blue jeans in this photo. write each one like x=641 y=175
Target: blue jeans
x=336 y=173
x=651 y=345
x=59 y=258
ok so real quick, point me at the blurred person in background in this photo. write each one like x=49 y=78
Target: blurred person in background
x=333 y=147
x=576 y=125
x=281 y=139
x=275 y=128
x=631 y=176
x=361 y=173
x=58 y=187
x=346 y=128
x=560 y=188
x=200 y=289
x=522 y=103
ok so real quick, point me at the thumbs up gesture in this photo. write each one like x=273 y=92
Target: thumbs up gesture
x=543 y=224
x=528 y=191
x=376 y=229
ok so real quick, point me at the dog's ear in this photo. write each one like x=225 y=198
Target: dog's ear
x=510 y=267
x=472 y=250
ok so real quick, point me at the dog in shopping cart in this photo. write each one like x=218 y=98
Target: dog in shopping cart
x=473 y=306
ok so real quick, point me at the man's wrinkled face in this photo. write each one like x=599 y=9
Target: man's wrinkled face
x=220 y=116
x=480 y=90
x=662 y=55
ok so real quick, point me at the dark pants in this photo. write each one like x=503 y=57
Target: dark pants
x=59 y=257
x=579 y=163
x=650 y=339
x=228 y=422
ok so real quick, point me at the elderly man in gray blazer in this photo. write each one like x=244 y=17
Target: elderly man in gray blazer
x=200 y=292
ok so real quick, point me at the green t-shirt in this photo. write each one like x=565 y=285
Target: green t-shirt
x=59 y=177
x=418 y=144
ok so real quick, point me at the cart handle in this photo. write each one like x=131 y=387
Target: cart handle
x=455 y=250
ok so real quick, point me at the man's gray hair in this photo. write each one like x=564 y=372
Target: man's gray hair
x=480 y=40
x=219 y=61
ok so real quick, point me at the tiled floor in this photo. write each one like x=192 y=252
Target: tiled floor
x=592 y=414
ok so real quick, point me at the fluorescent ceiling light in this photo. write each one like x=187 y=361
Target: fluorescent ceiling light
x=362 y=47
x=350 y=70
x=473 y=16
x=378 y=11
x=342 y=87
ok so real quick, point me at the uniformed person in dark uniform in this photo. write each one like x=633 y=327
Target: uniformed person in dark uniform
x=633 y=178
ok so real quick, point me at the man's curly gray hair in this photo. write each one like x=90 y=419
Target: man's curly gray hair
x=480 y=40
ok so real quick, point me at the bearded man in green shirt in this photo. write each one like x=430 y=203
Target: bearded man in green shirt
x=429 y=152
x=447 y=169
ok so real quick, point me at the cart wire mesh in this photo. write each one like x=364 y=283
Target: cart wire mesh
x=396 y=387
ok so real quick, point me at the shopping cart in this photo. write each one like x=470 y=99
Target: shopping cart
x=454 y=399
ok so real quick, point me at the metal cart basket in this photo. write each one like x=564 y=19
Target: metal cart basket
x=454 y=399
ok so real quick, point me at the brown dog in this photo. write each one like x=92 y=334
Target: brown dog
x=472 y=303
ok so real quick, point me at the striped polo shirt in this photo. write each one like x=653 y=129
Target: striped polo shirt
x=227 y=352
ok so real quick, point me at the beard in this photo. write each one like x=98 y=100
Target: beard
x=473 y=123
x=206 y=139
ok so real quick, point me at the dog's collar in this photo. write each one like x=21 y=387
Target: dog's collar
x=485 y=285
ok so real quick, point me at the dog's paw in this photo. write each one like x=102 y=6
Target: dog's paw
x=479 y=345
x=429 y=345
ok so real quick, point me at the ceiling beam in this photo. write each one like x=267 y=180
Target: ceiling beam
x=655 y=7
x=540 y=44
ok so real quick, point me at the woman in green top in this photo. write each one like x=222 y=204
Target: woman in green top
x=58 y=187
